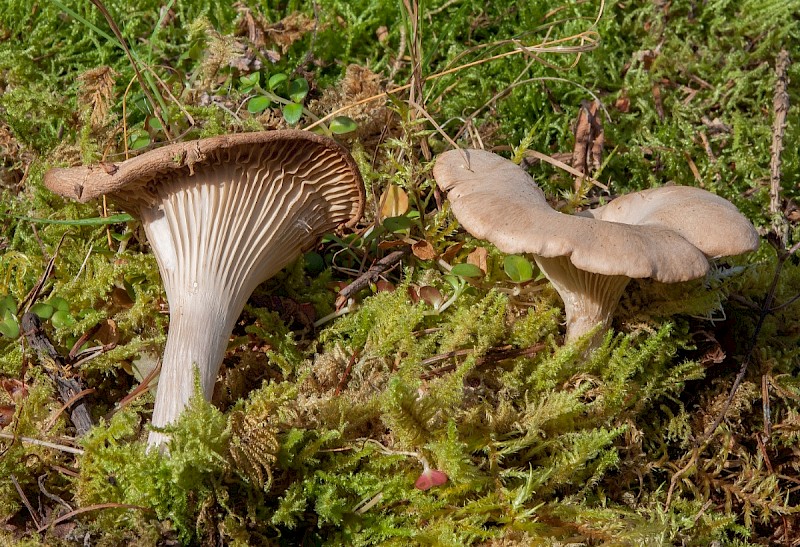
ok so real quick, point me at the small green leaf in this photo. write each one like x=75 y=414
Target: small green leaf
x=467 y=270
x=298 y=90
x=44 y=311
x=397 y=224
x=59 y=303
x=342 y=124
x=7 y=303
x=275 y=80
x=61 y=319
x=455 y=282
x=292 y=113
x=9 y=326
x=9 y=329
x=139 y=139
x=258 y=104
x=125 y=236
x=518 y=268
x=154 y=124
x=249 y=81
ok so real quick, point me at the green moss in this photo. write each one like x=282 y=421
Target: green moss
x=541 y=443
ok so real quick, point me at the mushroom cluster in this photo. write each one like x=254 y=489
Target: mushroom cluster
x=667 y=233
x=222 y=215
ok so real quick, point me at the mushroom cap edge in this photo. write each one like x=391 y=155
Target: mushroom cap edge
x=84 y=183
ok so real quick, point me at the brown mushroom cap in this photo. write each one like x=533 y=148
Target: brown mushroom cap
x=222 y=215
x=133 y=181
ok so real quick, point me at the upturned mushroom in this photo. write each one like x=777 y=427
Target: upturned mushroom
x=667 y=233
x=222 y=215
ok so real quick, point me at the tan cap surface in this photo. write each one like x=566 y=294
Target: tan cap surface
x=496 y=200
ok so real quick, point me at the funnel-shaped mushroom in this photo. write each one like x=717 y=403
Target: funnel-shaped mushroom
x=666 y=233
x=222 y=215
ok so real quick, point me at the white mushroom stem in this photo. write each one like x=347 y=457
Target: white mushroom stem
x=199 y=329
x=589 y=299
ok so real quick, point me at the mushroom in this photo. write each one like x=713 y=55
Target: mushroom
x=222 y=215
x=667 y=233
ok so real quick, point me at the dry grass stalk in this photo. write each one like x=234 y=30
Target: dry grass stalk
x=780 y=108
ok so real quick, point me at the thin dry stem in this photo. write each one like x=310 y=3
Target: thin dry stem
x=780 y=108
x=565 y=167
x=590 y=38
x=39 y=442
x=25 y=500
x=81 y=510
x=115 y=29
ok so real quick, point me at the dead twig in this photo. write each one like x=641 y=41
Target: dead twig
x=346 y=374
x=89 y=508
x=493 y=355
x=68 y=386
x=780 y=108
x=141 y=389
x=561 y=165
x=381 y=266
x=34 y=293
x=39 y=442
x=25 y=501
x=52 y=420
x=50 y=495
x=416 y=95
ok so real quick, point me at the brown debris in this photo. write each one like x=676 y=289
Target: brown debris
x=6 y=414
x=261 y=33
x=69 y=386
x=423 y=250
x=382 y=34
x=254 y=446
x=290 y=29
x=716 y=126
x=359 y=83
x=479 y=257
x=97 y=93
x=250 y=25
x=16 y=389
x=623 y=103
x=376 y=270
x=587 y=155
x=14 y=160
x=658 y=103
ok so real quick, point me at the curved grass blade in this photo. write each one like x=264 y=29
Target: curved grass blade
x=95 y=221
